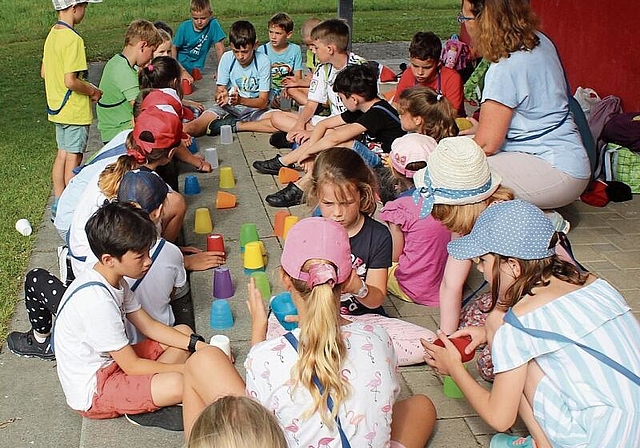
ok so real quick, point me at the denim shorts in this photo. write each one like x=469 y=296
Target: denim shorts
x=72 y=137
x=371 y=158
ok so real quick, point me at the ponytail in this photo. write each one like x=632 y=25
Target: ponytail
x=437 y=113
x=110 y=178
x=161 y=73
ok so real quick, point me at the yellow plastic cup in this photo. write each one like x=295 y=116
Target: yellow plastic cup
x=253 y=256
x=226 y=177
x=203 y=223
x=289 y=222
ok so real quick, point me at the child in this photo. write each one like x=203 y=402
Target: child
x=119 y=81
x=427 y=70
x=236 y=422
x=344 y=188
x=558 y=339
x=280 y=371
x=419 y=245
x=285 y=56
x=423 y=111
x=194 y=37
x=164 y=49
x=69 y=96
x=297 y=89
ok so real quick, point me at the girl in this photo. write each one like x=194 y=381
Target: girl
x=323 y=380
x=419 y=245
x=547 y=326
x=344 y=189
x=423 y=111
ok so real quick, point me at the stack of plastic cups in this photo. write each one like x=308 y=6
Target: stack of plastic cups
x=226 y=177
x=253 y=259
x=222 y=283
x=197 y=74
x=226 y=135
x=191 y=185
x=203 y=223
x=193 y=147
x=248 y=233
x=187 y=88
x=288 y=223
x=262 y=283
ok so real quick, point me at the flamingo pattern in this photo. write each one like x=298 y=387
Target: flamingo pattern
x=293 y=428
x=374 y=384
x=322 y=442
x=278 y=349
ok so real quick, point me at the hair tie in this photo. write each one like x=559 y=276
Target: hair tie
x=140 y=158
x=321 y=273
x=150 y=67
x=438 y=96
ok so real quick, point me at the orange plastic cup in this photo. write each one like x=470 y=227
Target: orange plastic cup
x=225 y=200
x=286 y=175
x=279 y=224
x=197 y=74
x=187 y=88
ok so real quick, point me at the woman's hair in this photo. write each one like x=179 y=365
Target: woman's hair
x=344 y=169
x=321 y=350
x=461 y=218
x=502 y=27
x=161 y=73
x=437 y=113
x=236 y=422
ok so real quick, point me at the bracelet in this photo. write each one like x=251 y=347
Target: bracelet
x=363 y=291
x=193 y=340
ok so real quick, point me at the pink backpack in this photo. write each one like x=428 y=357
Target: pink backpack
x=455 y=54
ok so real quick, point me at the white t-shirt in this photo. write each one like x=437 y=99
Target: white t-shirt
x=369 y=366
x=321 y=87
x=89 y=327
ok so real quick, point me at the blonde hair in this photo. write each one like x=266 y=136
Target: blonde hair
x=111 y=176
x=344 y=169
x=236 y=422
x=437 y=113
x=142 y=30
x=461 y=218
x=200 y=6
x=308 y=26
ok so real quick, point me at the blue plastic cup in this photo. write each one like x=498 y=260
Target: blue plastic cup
x=220 y=317
x=282 y=306
x=193 y=147
x=191 y=185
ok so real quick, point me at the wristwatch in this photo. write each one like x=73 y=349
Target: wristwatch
x=193 y=339
x=363 y=291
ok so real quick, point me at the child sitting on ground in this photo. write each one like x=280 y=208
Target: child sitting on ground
x=423 y=111
x=119 y=82
x=298 y=89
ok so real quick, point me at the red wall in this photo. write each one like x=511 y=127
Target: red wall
x=599 y=43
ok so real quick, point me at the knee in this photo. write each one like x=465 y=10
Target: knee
x=424 y=405
x=203 y=360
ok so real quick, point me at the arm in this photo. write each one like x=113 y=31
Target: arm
x=219 y=46
x=493 y=126
x=455 y=274
x=376 y=282
x=184 y=155
x=222 y=95
x=398 y=241
x=72 y=82
x=259 y=103
x=303 y=118
x=258 y=314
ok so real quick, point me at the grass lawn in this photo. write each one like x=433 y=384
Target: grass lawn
x=27 y=147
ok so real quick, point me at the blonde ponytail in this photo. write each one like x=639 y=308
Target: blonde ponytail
x=110 y=178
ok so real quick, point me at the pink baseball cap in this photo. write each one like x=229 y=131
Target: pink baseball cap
x=316 y=238
x=408 y=149
x=164 y=125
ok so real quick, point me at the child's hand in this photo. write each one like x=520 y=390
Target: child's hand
x=442 y=359
x=194 y=104
x=290 y=81
x=222 y=97
x=202 y=261
x=478 y=337
x=96 y=95
x=258 y=313
x=186 y=75
x=234 y=96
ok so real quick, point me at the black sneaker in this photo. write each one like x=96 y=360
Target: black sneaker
x=269 y=166
x=25 y=344
x=279 y=140
x=215 y=125
x=169 y=418
x=287 y=197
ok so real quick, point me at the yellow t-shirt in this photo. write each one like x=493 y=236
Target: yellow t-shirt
x=64 y=53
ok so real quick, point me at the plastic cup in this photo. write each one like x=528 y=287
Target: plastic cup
x=262 y=283
x=226 y=136
x=289 y=222
x=197 y=74
x=279 y=224
x=226 y=177
x=222 y=283
x=193 y=147
x=223 y=343
x=23 y=226
x=220 y=317
x=286 y=175
x=225 y=200
x=460 y=343
x=253 y=256
x=203 y=223
x=211 y=156
x=263 y=249
x=215 y=243
x=450 y=388
x=191 y=185
x=282 y=305
x=187 y=88
x=248 y=233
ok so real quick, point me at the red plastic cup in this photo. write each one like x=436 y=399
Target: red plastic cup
x=215 y=242
x=197 y=74
x=279 y=224
x=460 y=343
x=187 y=88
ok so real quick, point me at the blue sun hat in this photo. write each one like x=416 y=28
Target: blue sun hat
x=515 y=229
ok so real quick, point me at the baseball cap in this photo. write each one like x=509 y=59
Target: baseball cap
x=316 y=238
x=165 y=126
x=143 y=187
x=408 y=149
x=166 y=99
x=59 y=5
x=511 y=228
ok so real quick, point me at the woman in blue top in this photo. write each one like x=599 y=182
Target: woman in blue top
x=525 y=123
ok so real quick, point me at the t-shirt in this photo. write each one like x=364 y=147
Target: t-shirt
x=370 y=368
x=371 y=248
x=86 y=329
x=283 y=64
x=321 y=86
x=448 y=81
x=532 y=83
x=382 y=124
x=193 y=46
x=424 y=256
x=119 y=85
x=312 y=61
x=64 y=53
x=249 y=80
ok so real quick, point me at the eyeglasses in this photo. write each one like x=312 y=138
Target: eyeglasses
x=461 y=18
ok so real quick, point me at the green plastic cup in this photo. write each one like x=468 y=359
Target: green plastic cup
x=248 y=234
x=451 y=389
x=262 y=283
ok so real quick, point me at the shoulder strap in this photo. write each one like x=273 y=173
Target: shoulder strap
x=513 y=320
x=391 y=114
x=153 y=258
x=64 y=101
x=266 y=50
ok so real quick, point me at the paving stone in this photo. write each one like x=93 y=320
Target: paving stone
x=625 y=260
x=450 y=433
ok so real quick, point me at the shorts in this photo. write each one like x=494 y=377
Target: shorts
x=72 y=137
x=394 y=287
x=370 y=157
x=118 y=393
x=242 y=113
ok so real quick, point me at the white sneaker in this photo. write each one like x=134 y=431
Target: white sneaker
x=64 y=265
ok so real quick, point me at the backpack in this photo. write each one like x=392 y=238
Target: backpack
x=623 y=130
x=455 y=54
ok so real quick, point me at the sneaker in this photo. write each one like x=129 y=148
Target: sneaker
x=559 y=223
x=169 y=418
x=279 y=140
x=509 y=441
x=214 y=127
x=64 y=264
x=269 y=166
x=25 y=344
x=287 y=197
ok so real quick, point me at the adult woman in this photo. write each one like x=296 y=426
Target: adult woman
x=525 y=123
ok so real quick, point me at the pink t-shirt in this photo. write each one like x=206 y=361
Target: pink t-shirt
x=421 y=264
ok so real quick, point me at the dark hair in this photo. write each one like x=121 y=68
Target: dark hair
x=357 y=79
x=282 y=20
x=425 y=46
x=117 y=228
x=332 y=31
x=163 y=26
x=242 y=34
x=161 y=73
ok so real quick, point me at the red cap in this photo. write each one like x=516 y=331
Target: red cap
x=159 y=97
x=164 y=125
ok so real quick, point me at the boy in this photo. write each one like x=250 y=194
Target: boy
x=194 y=37
x=69 y=96
x=285 y=56
x=298 y=89
x=427 y=70
x=368 y=126
x=119 y=80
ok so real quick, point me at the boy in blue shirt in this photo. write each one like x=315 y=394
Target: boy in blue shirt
x=194 y=37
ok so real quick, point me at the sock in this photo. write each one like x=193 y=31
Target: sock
x=40 y=338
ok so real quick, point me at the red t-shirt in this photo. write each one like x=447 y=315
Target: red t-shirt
x=450 y=85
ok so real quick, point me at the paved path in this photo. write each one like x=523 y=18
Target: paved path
x=33 y=412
